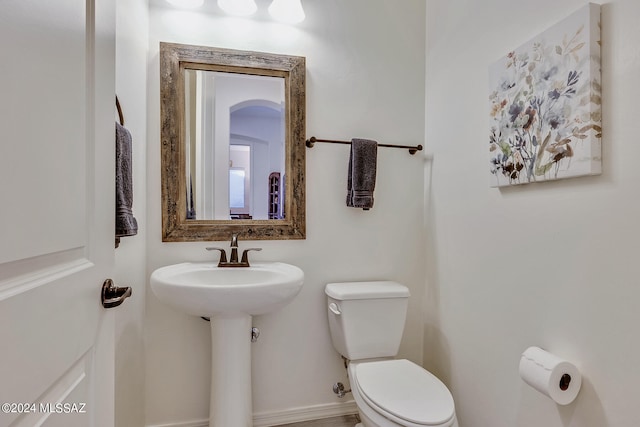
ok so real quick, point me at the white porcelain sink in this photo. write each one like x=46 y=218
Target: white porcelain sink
x=202 y=289
x=229 y=296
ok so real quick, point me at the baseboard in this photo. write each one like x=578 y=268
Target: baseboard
x=287 y=416
x=307 y=413
x=194 y=423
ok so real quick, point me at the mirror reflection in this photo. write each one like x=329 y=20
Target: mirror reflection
x=235 y=145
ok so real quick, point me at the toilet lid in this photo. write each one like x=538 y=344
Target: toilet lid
x=406 y=391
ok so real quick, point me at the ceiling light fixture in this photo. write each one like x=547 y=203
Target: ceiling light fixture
x=289 y=11
x=238 y=7
x=186 y=4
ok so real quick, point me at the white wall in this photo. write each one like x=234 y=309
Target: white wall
x=365 y=77
x=130 y=257
x=552 y=264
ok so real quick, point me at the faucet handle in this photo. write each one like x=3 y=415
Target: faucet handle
x=245 y=257
x=223 y=254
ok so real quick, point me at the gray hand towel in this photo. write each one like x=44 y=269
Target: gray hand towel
x=126 y=224
x=361 y=179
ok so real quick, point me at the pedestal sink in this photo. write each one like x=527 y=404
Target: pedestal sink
x=229 y=296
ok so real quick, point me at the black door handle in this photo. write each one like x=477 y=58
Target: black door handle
x=112 y=295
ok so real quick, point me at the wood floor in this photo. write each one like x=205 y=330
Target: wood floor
x=345 y=421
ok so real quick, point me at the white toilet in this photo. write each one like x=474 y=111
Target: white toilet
x=366 y=320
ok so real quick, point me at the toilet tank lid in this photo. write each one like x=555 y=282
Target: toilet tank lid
x=366 y=290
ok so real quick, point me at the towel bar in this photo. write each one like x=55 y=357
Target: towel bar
x=412 y=149
x=120 y=114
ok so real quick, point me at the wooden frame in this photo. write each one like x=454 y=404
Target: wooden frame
x=174 y=58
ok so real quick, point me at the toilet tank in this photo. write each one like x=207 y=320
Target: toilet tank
x=366 y=319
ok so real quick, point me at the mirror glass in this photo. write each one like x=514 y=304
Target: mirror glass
x=233 y=144
x=235 y=137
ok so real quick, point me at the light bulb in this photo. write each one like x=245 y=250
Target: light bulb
x=238 y=7
x=187 y=4
x=289 y=11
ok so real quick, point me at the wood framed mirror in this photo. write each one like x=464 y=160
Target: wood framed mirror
x=233 y=144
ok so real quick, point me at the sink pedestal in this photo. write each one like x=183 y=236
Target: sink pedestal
x=229 y=296
x=231 y=371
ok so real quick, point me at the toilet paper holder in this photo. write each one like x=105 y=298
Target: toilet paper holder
x=565 y=380
x=556 y=378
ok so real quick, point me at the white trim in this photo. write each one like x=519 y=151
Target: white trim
x=287 y=416
x=17 y=277
x=57 y=395
x=308 y=413
x=195 y=423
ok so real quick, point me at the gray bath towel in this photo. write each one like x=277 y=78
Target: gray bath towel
x=361 y=179
x=126 y=224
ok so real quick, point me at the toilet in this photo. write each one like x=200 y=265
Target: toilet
x=366 y=320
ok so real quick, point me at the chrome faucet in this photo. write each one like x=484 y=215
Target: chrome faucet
x=233 y=260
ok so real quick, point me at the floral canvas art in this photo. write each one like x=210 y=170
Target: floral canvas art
x=545 y=100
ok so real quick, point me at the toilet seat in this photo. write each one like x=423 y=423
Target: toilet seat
x=404 y=392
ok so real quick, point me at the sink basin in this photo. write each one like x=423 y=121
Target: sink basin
x=230 y=296
x=202 y=289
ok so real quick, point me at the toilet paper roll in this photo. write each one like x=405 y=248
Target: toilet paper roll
x=550 y=375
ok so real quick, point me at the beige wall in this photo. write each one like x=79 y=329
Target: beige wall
x=130 y=257
x=365 y=78
x=553 y=265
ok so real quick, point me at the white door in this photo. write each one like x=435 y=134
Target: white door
x=56 y=212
